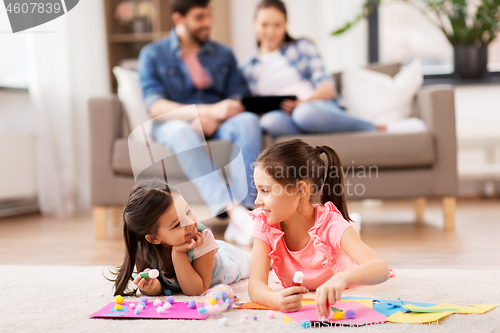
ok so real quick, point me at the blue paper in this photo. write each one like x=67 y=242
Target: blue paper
x=389 y=307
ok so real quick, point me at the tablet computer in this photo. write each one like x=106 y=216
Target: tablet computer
x=263 y=104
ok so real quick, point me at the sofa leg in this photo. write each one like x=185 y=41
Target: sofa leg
x=99 y=214
x=116 y=215
x=449 y=206
x=420 y=209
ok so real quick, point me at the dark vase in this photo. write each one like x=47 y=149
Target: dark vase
x=471 y=61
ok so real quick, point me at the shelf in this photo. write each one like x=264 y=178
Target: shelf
x=453 y=79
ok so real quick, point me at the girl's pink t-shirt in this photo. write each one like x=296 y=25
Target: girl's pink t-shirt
x=319 y=260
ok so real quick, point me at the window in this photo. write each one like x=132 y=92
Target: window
x=405 y=33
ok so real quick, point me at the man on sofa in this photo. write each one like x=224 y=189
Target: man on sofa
x=187 y=68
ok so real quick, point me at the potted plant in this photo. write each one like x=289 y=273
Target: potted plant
x=469 y=25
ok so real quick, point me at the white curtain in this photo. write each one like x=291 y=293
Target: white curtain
x=67 y=65
x=314 y=19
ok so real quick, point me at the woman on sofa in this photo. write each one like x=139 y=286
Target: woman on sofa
x=282 y=65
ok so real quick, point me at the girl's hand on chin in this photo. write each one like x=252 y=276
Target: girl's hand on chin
x=196 y=241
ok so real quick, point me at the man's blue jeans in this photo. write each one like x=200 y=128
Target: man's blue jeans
x=321 y=116
x=242 y=130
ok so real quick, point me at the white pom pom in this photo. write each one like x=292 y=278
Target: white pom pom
x=223 y=321
x=132 y=305
x=160 y=309
x=157 y=302
x=167 y=305
x=153 y=274
x=298 y=277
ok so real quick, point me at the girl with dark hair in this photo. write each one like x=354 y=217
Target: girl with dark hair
x=303 y=224
x=162 y=232
x=282 y=65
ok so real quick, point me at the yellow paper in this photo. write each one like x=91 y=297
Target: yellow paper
x=400 y=317
x=366 y=302
x=473 y=308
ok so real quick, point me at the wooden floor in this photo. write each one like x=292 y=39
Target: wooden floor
x=389 y=229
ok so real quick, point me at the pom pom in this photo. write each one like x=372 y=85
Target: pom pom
x=143 y=305
x=167 y=305
x=242 y=320
x=160 y=309
x=171 y=299
x=350 y=314
x=192 y=304
x=338 y=315
x=118 y=307
x=217 y=309
x=137 y=311
x=254 y=317
x=119 y=299
x=244 y=316
x=221 y=295
x=131 y=305
x=139 y=307
x=154 y=273
x=223 y=321
x=144 y=300
x=157 y=303
x=298 y=277
x=202 y=311
x=270 y=314
x=168 y=292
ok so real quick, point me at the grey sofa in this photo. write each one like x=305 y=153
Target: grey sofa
x=415 y=165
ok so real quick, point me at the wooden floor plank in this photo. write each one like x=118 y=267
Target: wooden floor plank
x=390 y=230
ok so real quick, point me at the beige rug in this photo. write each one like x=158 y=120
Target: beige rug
x=60 y=298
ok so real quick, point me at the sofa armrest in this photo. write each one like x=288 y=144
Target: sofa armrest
x=436 y=105
x=104 y=125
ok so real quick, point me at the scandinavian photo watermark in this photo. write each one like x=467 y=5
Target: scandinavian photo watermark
x=26 y=14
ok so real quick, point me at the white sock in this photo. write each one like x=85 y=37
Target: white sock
x=240 y=227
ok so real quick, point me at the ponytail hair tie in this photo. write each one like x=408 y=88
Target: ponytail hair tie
x=319 y=150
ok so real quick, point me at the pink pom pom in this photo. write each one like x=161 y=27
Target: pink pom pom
x=210 y=309
x=244 y=316
x=270 y=314
x=157 y=302
x=217 y=309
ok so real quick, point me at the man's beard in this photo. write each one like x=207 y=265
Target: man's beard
x=195 y=38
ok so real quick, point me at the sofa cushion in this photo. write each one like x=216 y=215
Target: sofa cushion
x=380 y=98
x=377 y=148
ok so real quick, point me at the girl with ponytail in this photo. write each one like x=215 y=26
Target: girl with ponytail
x=162 y=232
x=303 y=224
